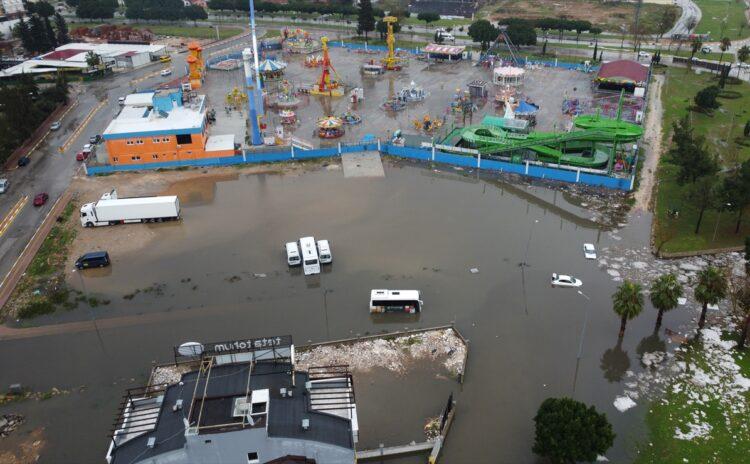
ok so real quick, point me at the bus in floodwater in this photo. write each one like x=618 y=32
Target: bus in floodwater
x=310 y=262
x=395 y=301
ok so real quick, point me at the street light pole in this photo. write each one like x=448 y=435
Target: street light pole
x=580 y=343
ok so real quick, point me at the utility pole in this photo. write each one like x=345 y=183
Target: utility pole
x=638 y=6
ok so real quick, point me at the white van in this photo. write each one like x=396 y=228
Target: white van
x=395 y=301
x=292 y=254
x=324 y=252
x=310 y=262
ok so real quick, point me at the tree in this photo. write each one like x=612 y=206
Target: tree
x=627 y=302
x=702 y=195
x=23 y=32
x=61 y=87
x=194 y=13
x=743 y=54
x=42 y=8
x=579 y=27
x=38 y=34
x=743 y=311
x=483 y=31
x=724 y=46
x=366 y=19
x=735 y=192
x=428 y=17
x=706 y=99
x=521 y=33
x=49 y=33
x=62 y=29
x=690 y=154
x=710 y=289
x=666 y=21
x=544 y=47
x=695 y=45
x=665 y=291
x=596 y=50
x=568 y=431
x=438 y=38
x=96 y=9
x=92 y=59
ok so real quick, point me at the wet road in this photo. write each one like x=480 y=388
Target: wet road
x=415 y=228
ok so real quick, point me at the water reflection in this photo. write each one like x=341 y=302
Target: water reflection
x=650 y=344
x=615 y=362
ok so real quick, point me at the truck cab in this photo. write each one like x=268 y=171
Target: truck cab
x=88 y=215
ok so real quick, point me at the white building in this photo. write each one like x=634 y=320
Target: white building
x=12 y=7
x=72 y=56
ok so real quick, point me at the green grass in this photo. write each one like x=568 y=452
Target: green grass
x=54 y=248
x=454 y=23
x=714 y=12
x=187 y=31
x=726 y=443
x=677 y=96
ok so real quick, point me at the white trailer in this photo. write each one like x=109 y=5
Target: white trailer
x=110 y=210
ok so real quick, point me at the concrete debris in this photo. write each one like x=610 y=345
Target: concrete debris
x=474 y=270
x=623 y=403
x=390 y=352
x=9 y=423
x=652 y=359
x=170 y=374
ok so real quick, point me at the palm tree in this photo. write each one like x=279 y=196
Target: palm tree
x=711 y=288
x=724 y=46
x=627 y=303
x=665 y=291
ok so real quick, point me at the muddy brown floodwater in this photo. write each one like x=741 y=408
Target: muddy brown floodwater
x=220 y=274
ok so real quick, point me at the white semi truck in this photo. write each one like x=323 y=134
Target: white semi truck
x=110 y=210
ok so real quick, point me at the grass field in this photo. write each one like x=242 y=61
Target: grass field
x=200 y=32
x=610 y=16
x=720 y=129
x=728 y=440
x=714 y=14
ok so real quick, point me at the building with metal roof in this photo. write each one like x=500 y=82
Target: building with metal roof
x=240 y=404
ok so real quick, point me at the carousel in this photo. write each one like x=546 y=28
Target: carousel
x=299 y=42
x=413 y=93
x=350 y=118
x=286 y=97
x=271 y=71
x=330 y=127
x=371 y=68
x=313 y=61
x=508 y=75
x=288 y=117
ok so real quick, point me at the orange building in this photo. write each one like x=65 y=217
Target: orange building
x=157 y=126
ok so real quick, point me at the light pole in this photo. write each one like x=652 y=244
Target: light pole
x=91 y=311
x=580 y=342
x=716 y=227
x=525 y=264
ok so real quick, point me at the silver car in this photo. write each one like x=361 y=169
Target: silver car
x=4 y=185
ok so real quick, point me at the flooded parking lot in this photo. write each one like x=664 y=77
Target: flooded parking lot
x=220 y=274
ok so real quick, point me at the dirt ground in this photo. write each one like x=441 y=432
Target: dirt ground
x=652 y=141
x=27 y=450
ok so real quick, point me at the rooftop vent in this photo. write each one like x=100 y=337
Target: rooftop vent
x=305 y=424
x=151 y=442
x=177 y=405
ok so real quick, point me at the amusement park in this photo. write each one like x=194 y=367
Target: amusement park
x=301 y=90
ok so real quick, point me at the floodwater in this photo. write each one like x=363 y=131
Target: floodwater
x=220 y=274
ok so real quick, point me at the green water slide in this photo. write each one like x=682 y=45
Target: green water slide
x=590 y=146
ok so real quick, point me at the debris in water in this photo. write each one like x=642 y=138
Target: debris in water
x=623 y=403
x=474 y=270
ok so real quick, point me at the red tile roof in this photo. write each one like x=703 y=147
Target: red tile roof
x=62 y=54
x=624 y=70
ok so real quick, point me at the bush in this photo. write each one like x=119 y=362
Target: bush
x=705 y=99
x=36 y=308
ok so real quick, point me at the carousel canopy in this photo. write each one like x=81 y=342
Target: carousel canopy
x=509 y=71
x=330 y=122
x=271 y=65
x=525 y=107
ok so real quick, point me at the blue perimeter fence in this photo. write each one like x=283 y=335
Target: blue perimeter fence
x=421 y=154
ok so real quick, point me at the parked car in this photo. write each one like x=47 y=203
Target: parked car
x=82 y=156
x=561 y=280
x=4 y=185
x=93 y=259
x=165 y=59
x=121 y=101
x=742 y=65
x=23 y=161
x=324 y=252
x=55 y=126
x=40 y=199
x=589 y=251
x=95 y=139
x=166 y=72
x=645 y=55
x=705 y=49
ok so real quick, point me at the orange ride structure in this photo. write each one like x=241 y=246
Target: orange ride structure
x=326 y=85
x=391 y=62
x=196 y=66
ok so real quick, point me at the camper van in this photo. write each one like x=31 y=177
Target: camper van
x=324 y=252
x=292 y=254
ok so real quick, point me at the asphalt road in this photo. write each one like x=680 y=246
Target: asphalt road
x=51 y=171
x=691 y=15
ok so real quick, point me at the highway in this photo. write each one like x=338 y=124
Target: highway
x=50 y=170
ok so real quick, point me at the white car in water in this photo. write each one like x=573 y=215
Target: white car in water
x=561 y=280
x=589 y=251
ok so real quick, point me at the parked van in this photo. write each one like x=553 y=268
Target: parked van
x=93 y=259
x=292 y=254
x=310 y=262
x=324 y=252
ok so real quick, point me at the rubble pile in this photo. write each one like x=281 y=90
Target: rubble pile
x=170 y=374
x=9 y=423
x=390 y=352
